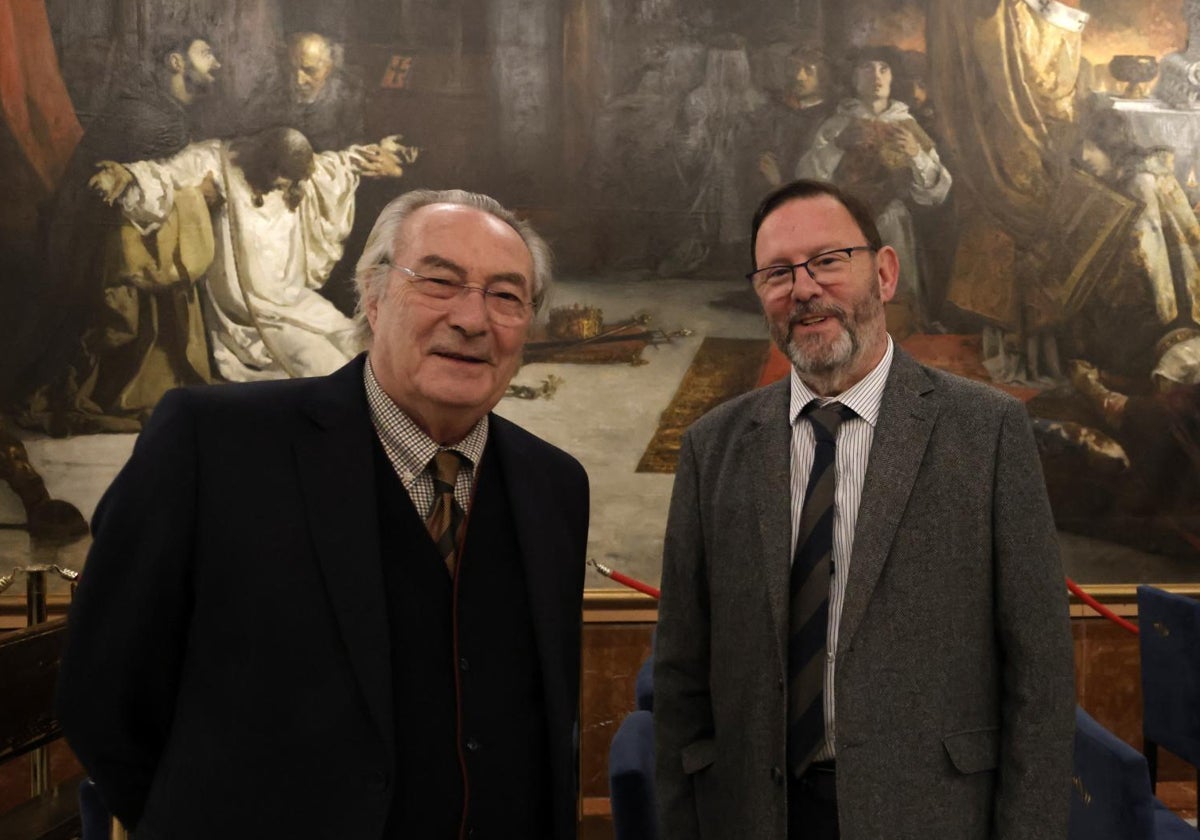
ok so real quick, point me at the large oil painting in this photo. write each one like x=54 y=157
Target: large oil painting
x=1034 y=163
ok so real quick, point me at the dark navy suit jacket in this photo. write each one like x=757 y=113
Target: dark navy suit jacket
x=228 y=672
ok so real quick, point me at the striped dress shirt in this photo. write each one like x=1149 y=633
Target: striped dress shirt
x=854 y=439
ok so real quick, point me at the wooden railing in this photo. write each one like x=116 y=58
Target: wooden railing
x=29 y=660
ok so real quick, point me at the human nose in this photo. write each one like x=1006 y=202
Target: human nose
x=468 y=311
x=804 y=285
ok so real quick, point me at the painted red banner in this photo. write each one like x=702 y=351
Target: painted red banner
x=33 y=98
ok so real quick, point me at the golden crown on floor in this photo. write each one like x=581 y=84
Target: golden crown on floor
x=575 y=321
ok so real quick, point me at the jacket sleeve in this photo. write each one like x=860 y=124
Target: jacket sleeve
x=128 y=622
x=682 y=702
x=1038 y=694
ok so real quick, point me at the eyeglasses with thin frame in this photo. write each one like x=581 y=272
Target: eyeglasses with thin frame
x=502 y=306
x=826 y=268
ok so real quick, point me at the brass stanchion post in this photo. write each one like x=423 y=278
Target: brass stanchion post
x=35 y=613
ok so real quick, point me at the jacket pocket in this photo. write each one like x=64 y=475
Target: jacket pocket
x=698 y=755
x=974 y=750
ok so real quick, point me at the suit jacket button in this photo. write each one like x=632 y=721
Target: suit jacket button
x=777 y=775
x=377 y=781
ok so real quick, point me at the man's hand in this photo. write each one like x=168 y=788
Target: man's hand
x=392 y=144
x=902 y=140
x=111 y=181
x=384 y=159
x=373 y=162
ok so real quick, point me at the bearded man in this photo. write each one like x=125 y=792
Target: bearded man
x=324 y=102
x=863 y=627
x=795 y=116
x=103 y=347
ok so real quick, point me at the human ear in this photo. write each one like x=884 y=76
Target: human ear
x=887 y=265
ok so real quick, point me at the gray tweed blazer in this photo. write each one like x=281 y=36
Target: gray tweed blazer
x=954 y=688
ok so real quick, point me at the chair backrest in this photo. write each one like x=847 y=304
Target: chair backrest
x=644 y=689
x=94 y=816
x=1169 y=637
x=1111 y=798
x=631 y=778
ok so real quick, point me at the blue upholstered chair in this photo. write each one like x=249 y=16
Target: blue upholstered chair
x=631 y=778
x=95 y=821
x=1169 y=636
x=631 y=765
x=1170 y=826
x=644 y=692
x=1111 y=798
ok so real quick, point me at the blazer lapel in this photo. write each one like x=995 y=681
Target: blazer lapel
x=767 y=450
x=906 y=421
x=335 y=462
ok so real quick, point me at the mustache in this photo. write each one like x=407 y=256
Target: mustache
x=819 y=309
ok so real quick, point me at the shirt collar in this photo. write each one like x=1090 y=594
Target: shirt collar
x=406 y=443
x=864 y=396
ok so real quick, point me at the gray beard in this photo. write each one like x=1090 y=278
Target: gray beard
x=828 y=359
x=822 y=364
x=300 y=97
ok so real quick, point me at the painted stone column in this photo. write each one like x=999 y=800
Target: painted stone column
x=527 y=41
x=1179 y=73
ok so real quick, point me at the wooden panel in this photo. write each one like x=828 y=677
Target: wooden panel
x=29 y=661
x=1108 y=686
x=53 y=816
x=612 y=654
x=15 y=775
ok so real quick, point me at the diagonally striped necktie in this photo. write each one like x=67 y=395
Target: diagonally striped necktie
x=446 y=517
x=808 y=617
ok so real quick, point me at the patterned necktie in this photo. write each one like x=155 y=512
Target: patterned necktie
x=808 y=617
x=446 y=517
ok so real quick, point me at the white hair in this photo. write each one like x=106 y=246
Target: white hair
x=371 y=272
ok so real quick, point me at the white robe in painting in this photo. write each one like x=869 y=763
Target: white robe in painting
x=925 y=181
x=264 y=316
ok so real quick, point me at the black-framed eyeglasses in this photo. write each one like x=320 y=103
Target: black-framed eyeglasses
x=503 y=306
x=825 y=268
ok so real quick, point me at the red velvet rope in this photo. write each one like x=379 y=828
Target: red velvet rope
x=624 y=580
x=1100 y=608
x=645 y=588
